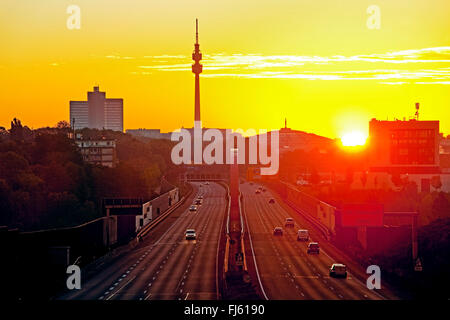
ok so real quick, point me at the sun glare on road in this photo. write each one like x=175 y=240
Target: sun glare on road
x=354 y=138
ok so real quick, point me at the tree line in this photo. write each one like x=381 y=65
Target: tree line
x=44 y=182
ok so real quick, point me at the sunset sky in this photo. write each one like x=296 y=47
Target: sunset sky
x=315 y=62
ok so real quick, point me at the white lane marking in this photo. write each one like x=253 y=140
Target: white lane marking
x=254 y=259
x=118 y=290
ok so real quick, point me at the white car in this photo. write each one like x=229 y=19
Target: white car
x=190 y=234
x=302 y=235
x=338 y=270
x=193 y=208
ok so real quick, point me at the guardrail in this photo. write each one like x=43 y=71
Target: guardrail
x=143 y=232
x=227 y=253
x=320 y=226
x=228 y=210
x=227 y=228
x=323 y=229
x=244 y=258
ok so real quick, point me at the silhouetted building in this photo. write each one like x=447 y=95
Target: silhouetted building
x=404 y=146
x=98 y=152
x=149 y=133
x=79 y=114
x=114 y=114
x=409 y=149
x=97 y=112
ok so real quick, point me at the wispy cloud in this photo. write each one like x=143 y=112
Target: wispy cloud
x=420 y=65
x=165 y=56
x=118 y=57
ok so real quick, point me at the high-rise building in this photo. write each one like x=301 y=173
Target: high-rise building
x=114 y=114
x=97 y=112
x=79 y=115
x=409 y=149
x=404 y=146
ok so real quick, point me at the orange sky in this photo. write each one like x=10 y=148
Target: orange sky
x=314 y=62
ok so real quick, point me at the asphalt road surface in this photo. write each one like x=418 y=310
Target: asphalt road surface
x=166 y=266
x=286 y=270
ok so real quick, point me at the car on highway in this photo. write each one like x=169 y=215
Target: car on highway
x=289 y=222
x=278 y=231
x=200 y=197
x=193 y=208
x=338 y=270
x=207 y=183
x=257 y=191
x=198 y=202
x=190 y=234
x=272 y=200
x=313 y=247
x=302 y=235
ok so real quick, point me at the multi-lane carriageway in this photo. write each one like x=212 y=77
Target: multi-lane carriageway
x=166 y=266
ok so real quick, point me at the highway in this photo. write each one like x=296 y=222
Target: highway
x=286 y=271
x=165 y=266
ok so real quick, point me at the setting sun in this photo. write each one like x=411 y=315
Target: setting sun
x=354 y=138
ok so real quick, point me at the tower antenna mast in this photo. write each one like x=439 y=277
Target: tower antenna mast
x=197 y=68
x=196 y=31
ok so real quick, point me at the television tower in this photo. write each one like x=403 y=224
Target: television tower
x=197 y=69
